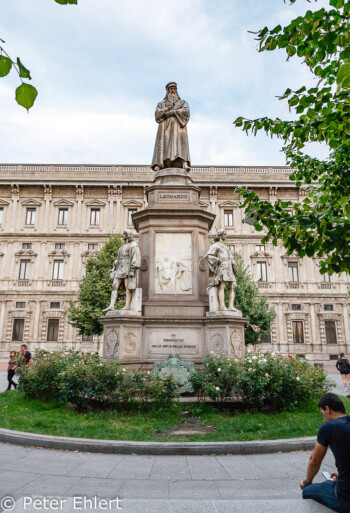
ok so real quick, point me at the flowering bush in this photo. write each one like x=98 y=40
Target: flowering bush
x=43 y=379
x=278 y=382
x=89 y=381
x=216 y=380
x=260 y=381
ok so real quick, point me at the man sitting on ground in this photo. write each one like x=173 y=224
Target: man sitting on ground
x=335 y=433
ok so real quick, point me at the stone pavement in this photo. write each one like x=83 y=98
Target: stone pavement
x=174 y=484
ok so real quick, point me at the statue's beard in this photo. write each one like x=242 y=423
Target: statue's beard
x=172 y=97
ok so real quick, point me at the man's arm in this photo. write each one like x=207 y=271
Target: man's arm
x=314 y=464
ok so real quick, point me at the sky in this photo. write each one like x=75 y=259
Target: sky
x=101 y=68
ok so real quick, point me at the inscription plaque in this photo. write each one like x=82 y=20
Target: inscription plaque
x=183 y=342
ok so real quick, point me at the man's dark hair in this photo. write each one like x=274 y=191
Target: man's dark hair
x=24 y=345
x=333 y=402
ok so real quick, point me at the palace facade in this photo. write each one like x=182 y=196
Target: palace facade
x=53 y=217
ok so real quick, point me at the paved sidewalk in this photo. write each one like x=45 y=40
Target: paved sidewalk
x=174 y=484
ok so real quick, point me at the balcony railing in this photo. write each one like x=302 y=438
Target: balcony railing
x=23 y=283
x=57 y=283
x=293 y=285
x=263 y=284
x=326 y=285
x=140 y=169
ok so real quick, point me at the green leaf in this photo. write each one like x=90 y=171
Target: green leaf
x=343 y=76
x=5 y=66
x=26 y=95
x=65 y=2
x=23 y=72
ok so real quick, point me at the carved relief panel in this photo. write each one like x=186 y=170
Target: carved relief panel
x=173 y=263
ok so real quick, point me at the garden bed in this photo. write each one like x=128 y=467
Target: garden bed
x=20 y=413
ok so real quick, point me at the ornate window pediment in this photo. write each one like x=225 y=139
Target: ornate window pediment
x=132 y=203
x=58 y=253
x=31 y=203
x=204 y=204
x=3 y=203
x=63 y=203
x=261 y=254
x=25 y=253
x=95 y=203
x=228 y=204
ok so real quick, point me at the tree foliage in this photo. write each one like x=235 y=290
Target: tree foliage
x=25 y=93
x=320 y=224
x=252 y=305
x=95 y=289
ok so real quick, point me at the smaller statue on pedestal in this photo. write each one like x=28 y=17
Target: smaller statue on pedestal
x=222 y=270
x=124 y=270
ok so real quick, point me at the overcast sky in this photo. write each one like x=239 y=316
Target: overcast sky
x=101 y=67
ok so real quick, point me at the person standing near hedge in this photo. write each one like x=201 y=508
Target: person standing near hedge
x=25 y=354
x=343 y=367
x=334 y=433
x=11 y=370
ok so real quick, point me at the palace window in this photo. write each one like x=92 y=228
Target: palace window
x=30 y=216
x=60 y=245
x=18 y=330
x=1 y=215
x=131 y=211
x=328 y=308
x=57 y=273
x=24 y=270
x=95 y=217
x=298 y=332
x=27 y=245
x=266 y=338
x=52 y=330
x=87 y=338
x=63 y=216
x=92 y=246
x=260 y=248
x=296 y=307
x=55 y=304
x=293 y=271
x=20 y=304
x=228 y=217
x=331 y=332
x=261 y=271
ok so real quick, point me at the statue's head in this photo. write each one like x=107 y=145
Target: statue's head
x=128 y=235
x=171 y=91
x=220 y=234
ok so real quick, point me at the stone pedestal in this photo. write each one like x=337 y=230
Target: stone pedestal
x=173 y=238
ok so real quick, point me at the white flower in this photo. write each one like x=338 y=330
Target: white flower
x=148 y=372
x=298 y=379
x=250 y=361
x=219 y=369
x=273 y=353
x=249 y=351
x=217 y=388
x=123 y=370
x=249 y=369
x=254 y=357
x=211 y=352
x=266 y=374
x=236 y=360
x=263 y=360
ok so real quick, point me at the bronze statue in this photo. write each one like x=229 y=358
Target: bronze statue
x=125 y=269
x=171 y=148
x=222 y=269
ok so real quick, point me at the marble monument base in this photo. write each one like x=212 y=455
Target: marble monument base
x=140 y=340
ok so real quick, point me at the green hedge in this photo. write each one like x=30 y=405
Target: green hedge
x=262 y=381
x=91 y=382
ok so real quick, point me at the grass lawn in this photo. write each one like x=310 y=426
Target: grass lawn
x=22 y=414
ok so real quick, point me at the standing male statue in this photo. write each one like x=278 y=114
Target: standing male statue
x=125 y=269
x=222 y=269
x=171 y=148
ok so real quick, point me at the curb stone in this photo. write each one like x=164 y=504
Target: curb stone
x=155 y=448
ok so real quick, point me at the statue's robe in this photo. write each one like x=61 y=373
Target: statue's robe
x=171 y=141
x=128 y=259
x=222 y=266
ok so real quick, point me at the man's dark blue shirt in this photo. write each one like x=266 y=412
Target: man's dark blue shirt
x=336 y=435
